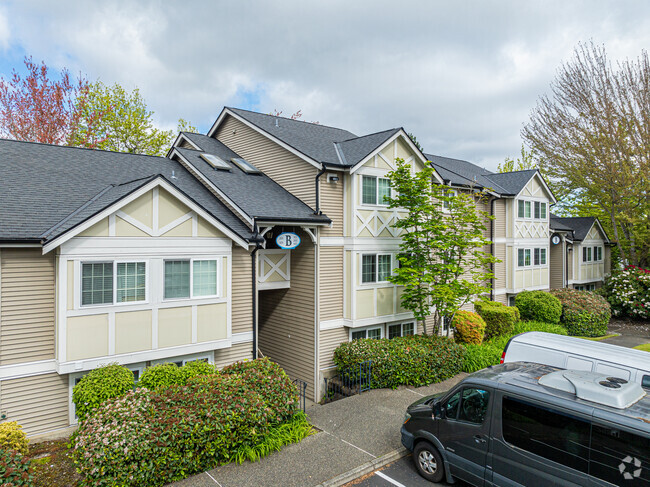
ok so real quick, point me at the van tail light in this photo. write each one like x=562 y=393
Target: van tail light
x=503 y=357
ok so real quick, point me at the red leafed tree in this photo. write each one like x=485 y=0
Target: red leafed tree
x=37 y=108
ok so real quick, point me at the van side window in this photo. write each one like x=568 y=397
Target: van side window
x=645 y=382
x=474 y=405
x=451 y=407
x=548 y=433
x=612 y=448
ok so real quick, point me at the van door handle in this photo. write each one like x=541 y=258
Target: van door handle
x=479 y=439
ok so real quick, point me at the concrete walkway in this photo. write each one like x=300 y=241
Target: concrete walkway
x=357 y=435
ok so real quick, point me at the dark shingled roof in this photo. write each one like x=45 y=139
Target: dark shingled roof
x=579 y=224
x=256 y=194
x=48 y=189
x=556 y=224
x=321 y=143
x=464 y=173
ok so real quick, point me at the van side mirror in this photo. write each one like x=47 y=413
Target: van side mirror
x=438 y=411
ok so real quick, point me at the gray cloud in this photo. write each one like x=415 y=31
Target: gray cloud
x=462 y=75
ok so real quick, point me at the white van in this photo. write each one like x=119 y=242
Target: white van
x=579 y=354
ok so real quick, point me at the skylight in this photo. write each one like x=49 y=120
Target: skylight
x=215 y=161
x=245 y=166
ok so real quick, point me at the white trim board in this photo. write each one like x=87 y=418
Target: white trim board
x=158 y=182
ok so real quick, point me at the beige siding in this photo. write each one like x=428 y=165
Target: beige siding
x=236 y=353
x=331 y=203
x=285 y=168
x=27 y=306
x=331 y=283
x=242 y=291
x=328 y=341
x=557 y=263
x=500 y=218
x=286 y=318
x=39 y=403
x=500 y=267
x=571 y=260
x=501 y=298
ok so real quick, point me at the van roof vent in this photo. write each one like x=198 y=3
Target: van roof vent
x=594 y=387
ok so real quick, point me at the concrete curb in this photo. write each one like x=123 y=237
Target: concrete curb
x=364 y=469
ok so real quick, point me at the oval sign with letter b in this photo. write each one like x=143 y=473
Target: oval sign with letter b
x=287 y=240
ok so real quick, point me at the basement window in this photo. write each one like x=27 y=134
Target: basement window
x=245 y=166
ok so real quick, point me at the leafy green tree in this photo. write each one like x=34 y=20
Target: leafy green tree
x=526 y=161
x=127 y=124
x=442 y=259
x=414 y=139
x=590 y=135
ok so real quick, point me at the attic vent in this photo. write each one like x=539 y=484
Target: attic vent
x=593 y=387
x=215 y=161
x=245 y=166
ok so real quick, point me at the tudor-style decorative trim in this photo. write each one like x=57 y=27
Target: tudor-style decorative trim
x=538 y=174
x=157 y=182
x=242 y=214
x=284 y=145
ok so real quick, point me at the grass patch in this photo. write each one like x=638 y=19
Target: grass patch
x=604 y=337
x=645 y=347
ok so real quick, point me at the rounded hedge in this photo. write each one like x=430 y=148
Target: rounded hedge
x=161 y=376
x=499 y=319
x=583 y=313
x=539 y=306
x=468 y=327
x=12 y=437
x=195 y=368
x=415 y=360
x=150 y=438
x=98 y=386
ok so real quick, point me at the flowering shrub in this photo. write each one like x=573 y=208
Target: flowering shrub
x=628 y=292
x=468 y=327
x=12 y=437
x=499 y=319
x=149 y=438
x=539 y=306
x=14 y=469
x=99 y=385
x=411 y=360
x=583 y=313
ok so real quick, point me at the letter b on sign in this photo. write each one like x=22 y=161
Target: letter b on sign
x=287 y=240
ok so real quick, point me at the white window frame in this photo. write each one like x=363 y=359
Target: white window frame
x=366 y=329
x=601 y=253
x=401 y=328
x=532 y=257
x=377 y=202
x=192 y=259
x=587 y=256
x=114 y=262
x=376 y=254
x=184 y=359
x=532 y=204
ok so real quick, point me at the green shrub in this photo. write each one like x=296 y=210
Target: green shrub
x=150 y=438
x=100 y=385
x=271 y=382
x=12 y=437
x=525 y=326
x=411 y=360
x=468 y=327
x=499 y=319
x=584 y=313
x=15 y=469
x=195 y=368
x=478 y=357
x=539 y=306
x=161 y=376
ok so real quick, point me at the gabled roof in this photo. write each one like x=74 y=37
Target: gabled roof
x=353 y=151
x=48 y=190
x=257 y=195
x=581 y=225
x=556 y=224
x=464 y=173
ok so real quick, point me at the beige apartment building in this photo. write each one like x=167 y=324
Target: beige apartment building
x=265 y=236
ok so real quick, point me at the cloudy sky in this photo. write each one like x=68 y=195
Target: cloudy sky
x=461 y=75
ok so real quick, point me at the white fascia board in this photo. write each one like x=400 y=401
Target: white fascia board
x=20 y=245
x=282 y=144
x=461 y=187
x=264 y=223
x=181 y=136
x=538 y=174
x=242 y=214
x=159 y=181
x=602 y=230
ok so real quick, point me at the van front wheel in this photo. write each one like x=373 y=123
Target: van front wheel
x=428 y=462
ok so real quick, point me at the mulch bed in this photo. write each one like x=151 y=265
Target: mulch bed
x=52 y=464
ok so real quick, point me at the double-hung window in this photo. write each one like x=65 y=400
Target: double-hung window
x=401 y=330
x=523 y=209
x=523 y=257
x=113 y=282
x=189 y=278
x=531 y=209
x=375 y=190
x=375 y=268
x=586 y=254
x=538 y=255
x=598 y=253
